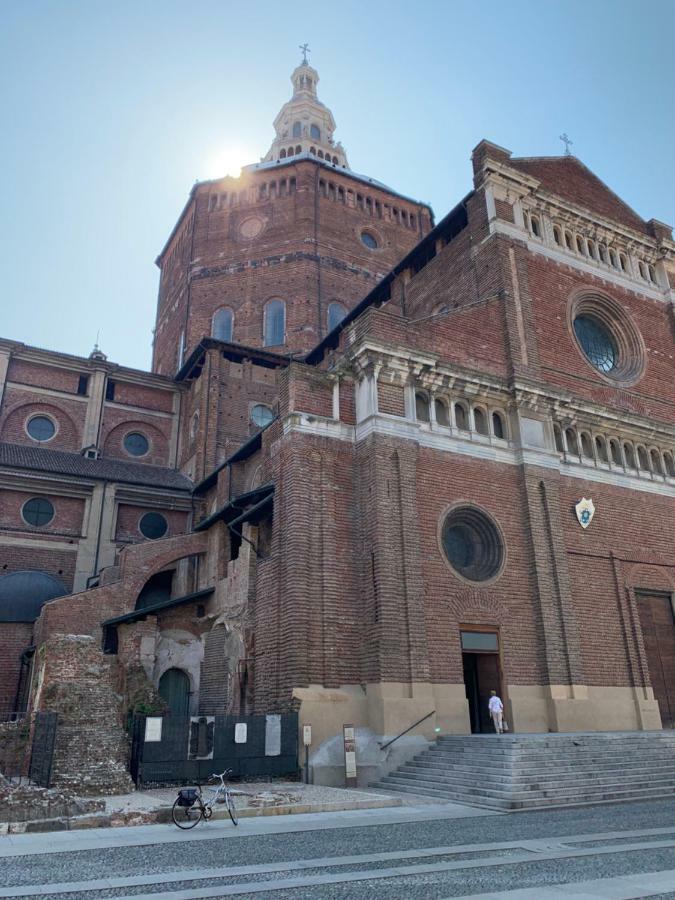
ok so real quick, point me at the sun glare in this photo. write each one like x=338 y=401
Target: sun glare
x=228 y=160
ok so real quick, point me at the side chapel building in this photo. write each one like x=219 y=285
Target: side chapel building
x=380 y=465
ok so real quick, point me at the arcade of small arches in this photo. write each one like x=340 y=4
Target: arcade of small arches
x=294 y=151
x=266 y=190
x=593 y=250
x=460 y=416
x=613 y=452
x=370 y=205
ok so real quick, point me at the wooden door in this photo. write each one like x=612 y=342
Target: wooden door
x=658 y=634
x=174 y=689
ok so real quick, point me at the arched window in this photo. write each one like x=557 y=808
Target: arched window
x=571 y=441
x=629 y=455
x=558 y=438
x=320 y=154
x=581 y=247
x=615 y=450
x=591 y=249
x=643 y=460
x=461 y=418
x=480 y=421
x=602 y=250
x=557 y=236
x=298 y=149
x=312 y=150
x=442 y=414
x=586 y=445
x=274 y=328
x=315 y=132
x=421 y=407
x=568 y=241
x=613 y=260
x=669 y=464
x=297 y=129
x=601 y=448
x=335 y=160
x=221 y=325
x=498 y=426
x=534 y=225
x=623 y=261
x=657 y=465
x=282 y=155
x=336 y=313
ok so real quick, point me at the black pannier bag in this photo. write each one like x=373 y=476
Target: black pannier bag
x=187 y=796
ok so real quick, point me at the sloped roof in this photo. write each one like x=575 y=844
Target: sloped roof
x=569 y=179
x=58 y=462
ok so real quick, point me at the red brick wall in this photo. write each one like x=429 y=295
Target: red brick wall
x=15 y=637
x=128 y=519
x=117 y=423
x=54 y=378
x=68 y=513
x=20 y=404
x=563 y=364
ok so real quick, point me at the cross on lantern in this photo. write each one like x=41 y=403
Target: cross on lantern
x=566 y=141
x=305 y=50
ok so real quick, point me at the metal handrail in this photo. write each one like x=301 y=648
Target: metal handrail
x=410 y=728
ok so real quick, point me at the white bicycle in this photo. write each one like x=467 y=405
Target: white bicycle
x=190 y=807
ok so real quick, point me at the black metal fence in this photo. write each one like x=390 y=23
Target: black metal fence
x=27 y=746
x=176 y=749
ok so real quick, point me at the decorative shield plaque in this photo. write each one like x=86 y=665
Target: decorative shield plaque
x=585 y=511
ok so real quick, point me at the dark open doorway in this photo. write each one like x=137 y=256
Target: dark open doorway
x=482 y=674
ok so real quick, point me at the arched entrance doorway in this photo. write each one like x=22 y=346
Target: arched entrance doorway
x=174 y=689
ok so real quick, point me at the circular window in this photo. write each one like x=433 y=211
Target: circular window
x=596 y=342
x=136 y=444
x=153 y=525
x=472 y=544
x=41 y=428
x=261 y=415
x=368 y=239
x=37 y=512
x=607 y=338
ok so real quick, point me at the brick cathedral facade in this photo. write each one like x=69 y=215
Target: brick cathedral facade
x=380 y=466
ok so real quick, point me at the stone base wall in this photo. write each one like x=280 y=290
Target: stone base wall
x=380 y=712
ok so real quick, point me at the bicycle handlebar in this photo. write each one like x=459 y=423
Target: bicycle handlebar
x=222 y=774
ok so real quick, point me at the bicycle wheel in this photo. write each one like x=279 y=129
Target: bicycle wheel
x=186 y=816
x=231 y=808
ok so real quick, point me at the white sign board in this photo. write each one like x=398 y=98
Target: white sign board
x=153 y=728
x=240 y=733
x=306 y=735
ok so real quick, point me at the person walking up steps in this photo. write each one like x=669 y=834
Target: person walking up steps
x=496 y=708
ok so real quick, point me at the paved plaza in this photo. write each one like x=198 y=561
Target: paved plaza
x=416 y=851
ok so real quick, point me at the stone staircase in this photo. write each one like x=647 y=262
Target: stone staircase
x=530 y=771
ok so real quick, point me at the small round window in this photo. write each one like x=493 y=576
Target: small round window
x=136 y=444
x=472 y=544
x=37 y=512
x=153 y=525
x=261 y=415
x=597 y=343
x=41 y=428
x=369 y=240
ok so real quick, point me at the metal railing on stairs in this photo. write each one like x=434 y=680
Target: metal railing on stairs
x=410 y=728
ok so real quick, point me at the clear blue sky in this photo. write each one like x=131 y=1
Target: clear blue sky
x=111 y=110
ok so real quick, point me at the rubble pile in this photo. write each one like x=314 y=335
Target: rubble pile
x=24 y=803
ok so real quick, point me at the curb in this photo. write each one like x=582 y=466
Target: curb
x=162 y=815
